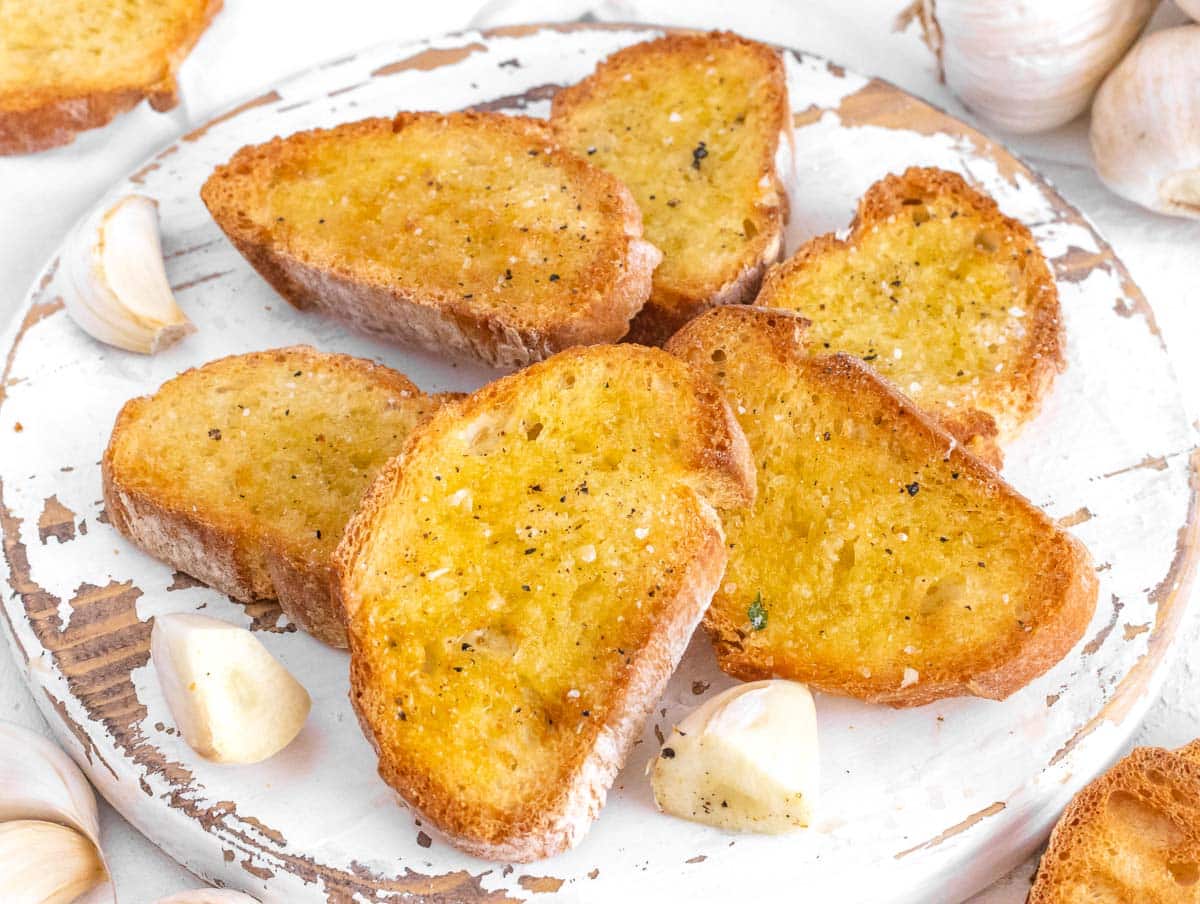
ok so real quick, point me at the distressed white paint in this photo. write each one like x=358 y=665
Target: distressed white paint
x=893 y=779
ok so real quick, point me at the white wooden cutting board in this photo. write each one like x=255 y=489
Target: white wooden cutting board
x=919 y=805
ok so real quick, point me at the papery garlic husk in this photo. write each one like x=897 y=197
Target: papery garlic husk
x=232 y=701
x=1191 y=7
x=1146 y=124
x=39 y=783
x=46 y=863
x=208 y=896
x=116 y=285
x=1027 y=66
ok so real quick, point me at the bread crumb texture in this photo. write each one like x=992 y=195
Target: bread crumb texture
x=879 y=560
x=691 y=123
x=939 y=292
x=1132 y=835
x=512 y=576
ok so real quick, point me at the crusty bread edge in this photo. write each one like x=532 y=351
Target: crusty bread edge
x=445 y=325
x=1047 y=644
x=234 y=560
x=560 y=827
x=58 y=121
x=665 y=312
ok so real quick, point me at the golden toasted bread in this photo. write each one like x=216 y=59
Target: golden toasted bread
x=468 y=233
x=942 y=294
x=70 y=65
x=881 y=561
x=1130 y=837
x=520 y=583
x=691 y=123
x=243 y=472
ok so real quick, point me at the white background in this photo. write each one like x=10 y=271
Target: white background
x=254 y=43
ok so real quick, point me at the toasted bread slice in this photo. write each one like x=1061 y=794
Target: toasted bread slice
x=942 y=294
x=522 y=581
x=468 y=233
x=691 y=123
x=1132 y=835
x=243 y=472
x=881 y=561
x=70 y=65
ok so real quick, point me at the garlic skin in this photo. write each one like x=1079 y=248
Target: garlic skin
x=116 y=286
x=746 y=760
x=208 y=896
x=1028 y=66
x=46 y=863
x=1146 y=124
x=49 y=827
x=1191 y=7
x=232 y=700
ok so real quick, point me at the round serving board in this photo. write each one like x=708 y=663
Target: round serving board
x=918 y=805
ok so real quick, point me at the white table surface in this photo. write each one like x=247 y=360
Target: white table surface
x=253 y=43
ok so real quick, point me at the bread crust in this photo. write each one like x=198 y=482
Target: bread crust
x=1072 y=582
x=232 y=557
x=1043 y=352
x=670 y=307
x=1162 y=789
x=435 y=319
x=576 y=795
x=54 y=119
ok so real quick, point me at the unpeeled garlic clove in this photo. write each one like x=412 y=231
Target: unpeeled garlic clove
x=208 y=896
x=746 y=760
x=46 y=863
x=40 y=785
x=116 y=286
x=232 y=700
x=1146 y=124
x=1027 y=67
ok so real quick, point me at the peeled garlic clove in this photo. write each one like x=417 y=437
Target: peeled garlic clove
x=116 y=286
x=208 y=896
x=1146 y=124
x=46 y=863
x=231 y=699
x=1028 y=67
x=746 y=760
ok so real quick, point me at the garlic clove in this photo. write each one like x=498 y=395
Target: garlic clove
x=208 y=896
x=746 y=760
x=46 y=863
x=39 y=783
x=1145 y=130
x=231 y=699
x=1027 y=67
x=116 y=285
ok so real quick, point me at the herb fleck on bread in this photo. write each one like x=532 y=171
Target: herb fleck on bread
x=880 y=561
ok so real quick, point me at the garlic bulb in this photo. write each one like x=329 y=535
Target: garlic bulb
x=208 y=896
x=46 y=863
x=1146 y=124
x=49 y=828
x=116 y=285
x=1023 y=65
